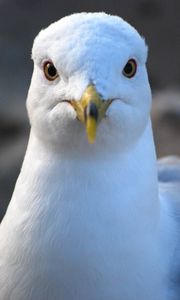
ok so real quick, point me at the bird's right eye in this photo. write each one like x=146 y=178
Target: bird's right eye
x=50 y=71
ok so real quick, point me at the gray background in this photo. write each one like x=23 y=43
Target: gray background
x=21 y=20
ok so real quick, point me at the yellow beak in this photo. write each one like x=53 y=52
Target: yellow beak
x=91 y=109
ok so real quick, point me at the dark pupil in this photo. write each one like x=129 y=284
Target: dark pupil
x=51 y=70
x=128 y=68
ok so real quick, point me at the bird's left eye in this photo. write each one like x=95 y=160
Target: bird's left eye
x=130 y=68
x=50 y=71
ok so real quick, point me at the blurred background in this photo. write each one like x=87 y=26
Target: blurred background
x=20 y=21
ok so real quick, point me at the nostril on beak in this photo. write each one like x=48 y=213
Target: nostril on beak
x=91 y=111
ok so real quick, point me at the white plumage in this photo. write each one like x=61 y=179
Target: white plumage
x=91 y=221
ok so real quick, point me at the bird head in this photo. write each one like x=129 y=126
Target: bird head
x=89 y=85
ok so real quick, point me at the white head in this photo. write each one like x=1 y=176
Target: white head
x=89 y=49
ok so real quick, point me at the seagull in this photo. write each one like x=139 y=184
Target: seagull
x=94 y=215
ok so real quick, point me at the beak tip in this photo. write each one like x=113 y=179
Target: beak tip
x=91 y=140
x=91 y=126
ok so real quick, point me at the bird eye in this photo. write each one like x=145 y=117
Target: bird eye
x=130 y=68
x=50 y=71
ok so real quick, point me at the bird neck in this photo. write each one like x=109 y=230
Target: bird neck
x=130 y=178
x=106 y=210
